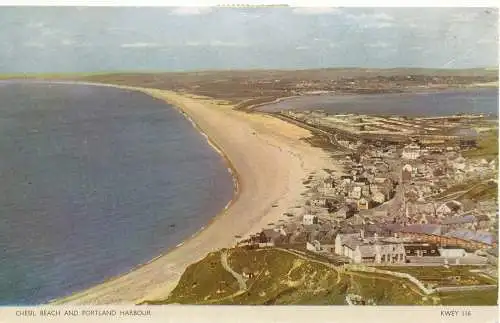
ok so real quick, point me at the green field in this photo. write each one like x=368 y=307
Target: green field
x=284 y=278
x=487 y=146
x=441 y=276
x=470 y=298
x=204 y=281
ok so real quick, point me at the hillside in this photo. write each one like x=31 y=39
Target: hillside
x=282 y=277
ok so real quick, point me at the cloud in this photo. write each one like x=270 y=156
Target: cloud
x=315 y=10
x=215 y=43
x=379 y=44
x=464 y=17
x=74 y=43
x=302 y=47
x=379 y=16
x=218 y=43
x=189 y=11
x=35 y=25
x=374 y=20
x=140 y=45
x=68 y=42
x=34 y=44
x=377 y=25
x=487 y=41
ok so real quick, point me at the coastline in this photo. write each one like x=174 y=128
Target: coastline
x=247 y=212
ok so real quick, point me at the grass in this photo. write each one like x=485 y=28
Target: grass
x=469 y=298
x=487 y=146
x=481 y=191
x=283 y=278
x=202 y=282
x=440 y=276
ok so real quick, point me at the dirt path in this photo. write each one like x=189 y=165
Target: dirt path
x=241 y=281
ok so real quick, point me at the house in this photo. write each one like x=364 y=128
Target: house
x=309 y=219
x=346 y=179
x=269 y=236
x=355 y=193
x=482 y=221
x=370 y=250
x=329 y=183
x=362 y=204
x=390 y=253
x=341 y=238
x=318 y=201
x=473 y=239
x=422 y=229
x=365 y=191
x=421 y=250
x=458 y=222
x=406 y=173
x=411 y=152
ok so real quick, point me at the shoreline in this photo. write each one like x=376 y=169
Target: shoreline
x=119 y=289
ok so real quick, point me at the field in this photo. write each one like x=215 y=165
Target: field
x=470 y=298
x=201 y=284
x=279 y=277
x=473 y=190
x=441 y=276
x=487 y=146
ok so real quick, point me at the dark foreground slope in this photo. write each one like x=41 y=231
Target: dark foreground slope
x=280 y=277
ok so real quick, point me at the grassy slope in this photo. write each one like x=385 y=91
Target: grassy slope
x=440 y=276
x=487 y=146
x=470 y=298
x=204 y=281
x=481 y=191
x=282 y=278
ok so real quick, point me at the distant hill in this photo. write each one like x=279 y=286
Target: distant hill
x=248 y=88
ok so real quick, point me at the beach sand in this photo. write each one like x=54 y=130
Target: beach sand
x=270 y=162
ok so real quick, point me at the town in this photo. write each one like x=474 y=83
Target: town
x=405 y=192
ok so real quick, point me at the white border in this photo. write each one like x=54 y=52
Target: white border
x=291 y=3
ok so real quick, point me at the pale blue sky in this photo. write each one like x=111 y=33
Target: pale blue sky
x=93 y=39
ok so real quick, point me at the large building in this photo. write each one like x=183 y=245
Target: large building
x=368 y=250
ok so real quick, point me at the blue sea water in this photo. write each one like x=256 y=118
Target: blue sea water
x=94 y=181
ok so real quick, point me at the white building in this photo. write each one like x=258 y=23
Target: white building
x=355 y=193
x=361 y=250
x=411 y=152
x=309 y=219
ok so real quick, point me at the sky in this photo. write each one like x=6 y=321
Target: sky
x=100 y=39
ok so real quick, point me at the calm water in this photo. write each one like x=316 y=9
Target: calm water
x=417 y=104
x=94 y=181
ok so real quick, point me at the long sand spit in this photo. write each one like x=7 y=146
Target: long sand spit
x=269 y=162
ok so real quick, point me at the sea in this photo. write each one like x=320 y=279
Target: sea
x=430 y=103
x=93 y=182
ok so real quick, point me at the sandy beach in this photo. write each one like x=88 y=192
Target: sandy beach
x=269 y=161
